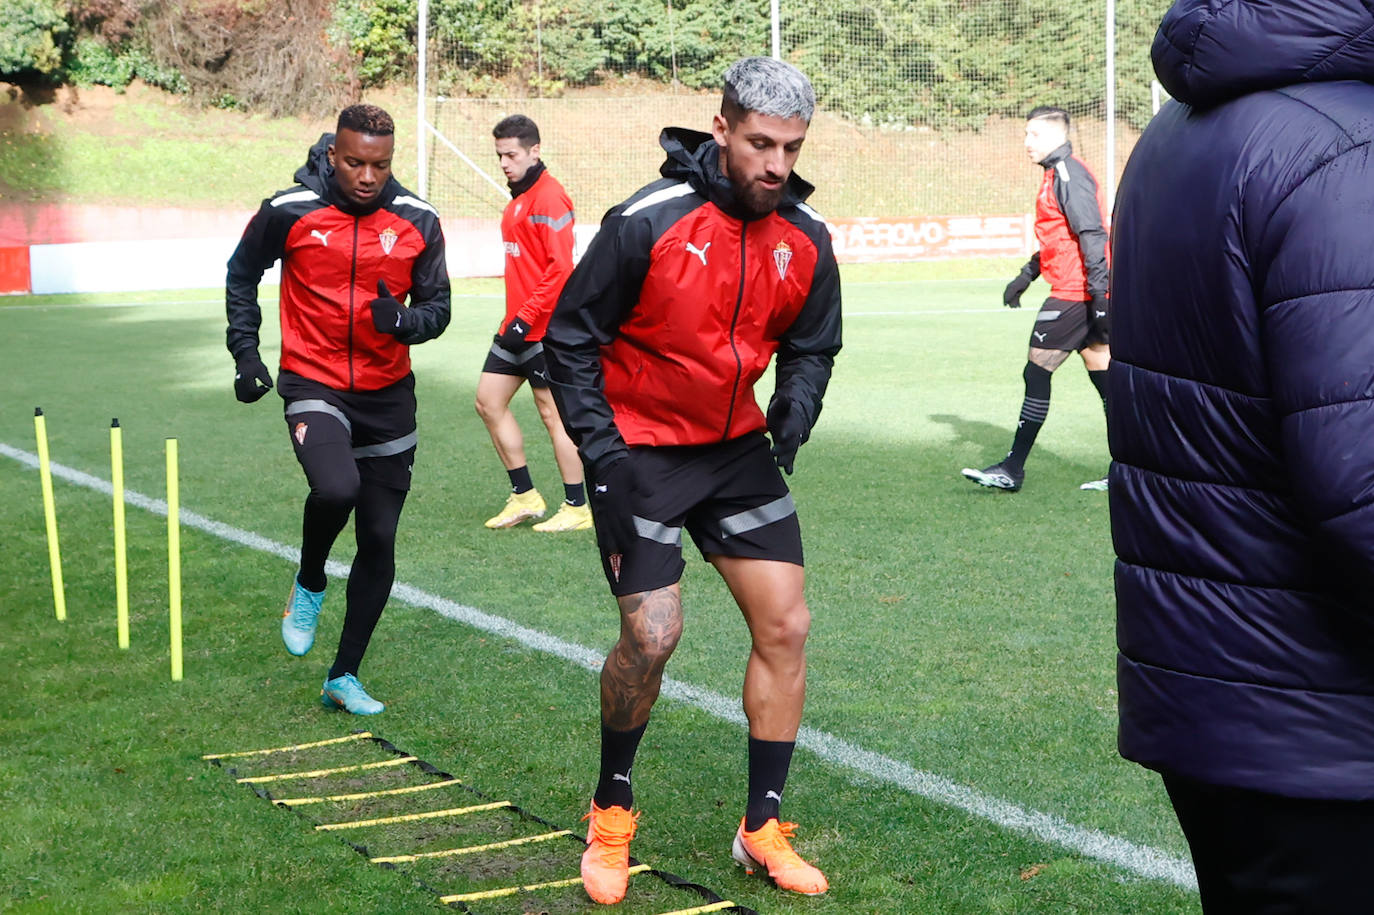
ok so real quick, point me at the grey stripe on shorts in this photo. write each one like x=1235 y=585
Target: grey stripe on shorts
x=658 y=532
x=534 y=350
x=755 y=518
x=386 y=449
x=295 y=408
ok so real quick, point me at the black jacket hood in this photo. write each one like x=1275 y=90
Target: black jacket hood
x=1209 y=51
x=318 y=175
x=694 y=157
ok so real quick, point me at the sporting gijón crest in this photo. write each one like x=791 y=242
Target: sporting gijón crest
x=782 y=256
x=387 y=237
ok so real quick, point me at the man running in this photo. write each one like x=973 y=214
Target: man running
x=353 y=244
x=688 y=290
x=537 y=230
x=1070 y=224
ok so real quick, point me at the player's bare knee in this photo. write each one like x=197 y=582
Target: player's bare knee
x=784 y=634
x=548 y=412
x=651 y=625
x=1047 y=359
x=490 y=410
x=1096 y=358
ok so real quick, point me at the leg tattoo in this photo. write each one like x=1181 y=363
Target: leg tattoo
x=650 y=626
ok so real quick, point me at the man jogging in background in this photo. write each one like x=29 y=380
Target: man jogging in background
x=1070 y=224
x=353 y=244
x=674 y=313
x=537 y=230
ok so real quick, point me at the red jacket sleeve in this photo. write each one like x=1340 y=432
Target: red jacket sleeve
x=551 y=222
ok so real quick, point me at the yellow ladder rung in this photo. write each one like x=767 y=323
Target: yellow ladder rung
x=701 y=909
x=303 y=801
x=319 y=773
x=471 y=849
x=512 y=890
x=294 y=746
x=411 y=817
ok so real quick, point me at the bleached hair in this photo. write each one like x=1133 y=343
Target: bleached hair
x=767 y=86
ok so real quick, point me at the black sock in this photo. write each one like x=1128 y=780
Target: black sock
x=617 y=759
x=574 y=493
x=768 y=762
x=315 y=582
x=520 y=479
x=1099 y=380
x=1034 y=409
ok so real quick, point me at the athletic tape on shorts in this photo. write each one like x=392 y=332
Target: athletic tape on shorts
x=386 y=449
x=525 y=355
x=296 y=407
x=754 y=518
x=658 y=531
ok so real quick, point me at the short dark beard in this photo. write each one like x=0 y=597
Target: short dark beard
x=757 y=199
x=753 y=197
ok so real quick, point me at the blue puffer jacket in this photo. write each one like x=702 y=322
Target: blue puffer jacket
x=1242 y=402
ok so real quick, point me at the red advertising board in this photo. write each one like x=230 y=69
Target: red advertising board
x=869 y=239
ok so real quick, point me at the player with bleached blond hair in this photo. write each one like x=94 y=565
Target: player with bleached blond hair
x=690 y=288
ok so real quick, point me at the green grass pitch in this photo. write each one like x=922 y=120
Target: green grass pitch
x=959 y=633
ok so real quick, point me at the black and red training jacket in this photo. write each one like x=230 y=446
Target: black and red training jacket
x=333 y=252
x=680 y=303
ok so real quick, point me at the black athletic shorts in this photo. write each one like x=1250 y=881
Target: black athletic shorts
x=729 y=496
x=1069 y=326
x=376 y=429
x=528 y=363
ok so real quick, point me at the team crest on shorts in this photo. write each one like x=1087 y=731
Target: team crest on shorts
x=299 y=433
x=388 y=238
x=615 y=564
x=782 y=256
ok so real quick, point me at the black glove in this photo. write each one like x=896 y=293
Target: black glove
x=387 y=312
x=1100 y=309
x=613 y=494
x=512 y=336
x=251 y=378
x=1011 y=296
x=789 y=430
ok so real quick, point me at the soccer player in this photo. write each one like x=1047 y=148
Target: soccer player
x=690 y=287
x=537 y=229
x=353 y=244
x=1070 y=224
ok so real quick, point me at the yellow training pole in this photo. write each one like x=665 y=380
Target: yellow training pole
x=59 y=594
x=174 y=555
x=121 y=559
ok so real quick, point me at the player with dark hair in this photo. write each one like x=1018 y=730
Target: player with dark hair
x=353 y=244
x=690 y=287
x=1070 y=224
x=537 y=231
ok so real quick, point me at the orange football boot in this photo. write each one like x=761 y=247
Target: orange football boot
x=606 y=862
x=767 y=847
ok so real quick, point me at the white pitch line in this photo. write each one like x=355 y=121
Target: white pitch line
x=917 y=314
x=1142 y=860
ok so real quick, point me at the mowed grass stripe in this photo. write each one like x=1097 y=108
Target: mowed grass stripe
x=1142 y=860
